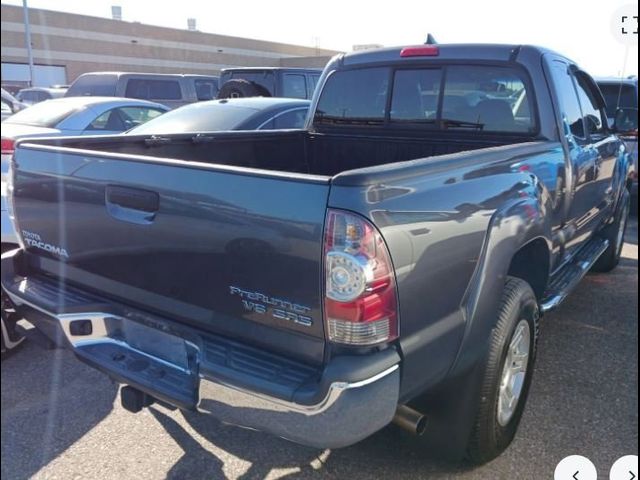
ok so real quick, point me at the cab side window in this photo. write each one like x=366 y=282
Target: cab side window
x=568 y=98
x=594 y=121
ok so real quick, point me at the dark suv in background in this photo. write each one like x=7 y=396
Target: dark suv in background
x=268 y=82
x=172 y=90
x=622 y=93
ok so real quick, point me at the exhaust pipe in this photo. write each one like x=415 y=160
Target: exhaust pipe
x=410 y=420
x=134 y=400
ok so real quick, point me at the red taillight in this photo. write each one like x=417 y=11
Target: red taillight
x=420 y=51
x=7 y=146
x=360 y=303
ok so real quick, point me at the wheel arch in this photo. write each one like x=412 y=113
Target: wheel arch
x=518 y=233
x=532 y=263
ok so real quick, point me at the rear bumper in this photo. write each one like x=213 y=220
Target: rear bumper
x=346 y=401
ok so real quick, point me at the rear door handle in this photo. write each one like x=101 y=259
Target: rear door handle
x=132 y=205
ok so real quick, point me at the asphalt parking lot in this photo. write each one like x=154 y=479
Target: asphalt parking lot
x=61 y=419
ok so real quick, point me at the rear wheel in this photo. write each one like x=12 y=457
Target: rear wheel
x=615 y=233
x=508 y=373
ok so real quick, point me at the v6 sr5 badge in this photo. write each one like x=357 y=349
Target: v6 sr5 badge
x=262 y=304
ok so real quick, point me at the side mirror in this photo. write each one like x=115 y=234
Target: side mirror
x=626 y=122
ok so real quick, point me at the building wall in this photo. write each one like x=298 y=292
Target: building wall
x=83 y=44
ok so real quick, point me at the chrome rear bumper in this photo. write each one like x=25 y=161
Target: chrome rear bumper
x=334 y=407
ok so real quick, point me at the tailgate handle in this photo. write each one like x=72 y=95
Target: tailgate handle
x=132 y=204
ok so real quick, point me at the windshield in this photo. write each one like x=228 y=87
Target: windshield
x=197 y=117
x=44 y=114
x=618 y=96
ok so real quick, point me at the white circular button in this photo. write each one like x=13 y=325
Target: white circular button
x=625 y=468
x=576 y=467
x=624 y=25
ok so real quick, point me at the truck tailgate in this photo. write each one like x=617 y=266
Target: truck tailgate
x=235 y=252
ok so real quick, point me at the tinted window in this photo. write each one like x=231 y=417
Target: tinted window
x=618 y=96
x=415 y=95
x=124 y=118
x=476 y=97
x=153 y=89
x=94 y=86
x=593 y=118
x=569 y=106
x=354 y=96
x=263 y=79
x=197 y=117
x=294 y=86
x=206 y=89
x=491 y=97
x=291 y=119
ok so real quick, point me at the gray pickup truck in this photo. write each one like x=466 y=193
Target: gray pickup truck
x=389 y=262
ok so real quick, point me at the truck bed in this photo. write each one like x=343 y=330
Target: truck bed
x=294 y=151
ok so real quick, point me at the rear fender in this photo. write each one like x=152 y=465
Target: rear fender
x=514 y=225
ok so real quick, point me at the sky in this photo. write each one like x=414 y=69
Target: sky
x=580 y=30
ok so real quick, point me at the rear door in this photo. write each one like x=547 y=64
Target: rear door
x=237 y=254
x=582 y=212
x=601 y=140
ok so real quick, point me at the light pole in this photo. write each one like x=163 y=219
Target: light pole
x=27 y=39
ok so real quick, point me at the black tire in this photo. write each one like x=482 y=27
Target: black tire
x=239 y=88
x=615 y=233
x=490 y=436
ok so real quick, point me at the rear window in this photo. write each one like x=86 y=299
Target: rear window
x=479 y=98
x=263 y=79
x=197 y=117
x=93 y=86
x=153 y=89
x=493 y=98
x=354 y=97
x=43 y=114
x=618 y=96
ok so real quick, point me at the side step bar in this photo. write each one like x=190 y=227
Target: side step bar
x=564 y=281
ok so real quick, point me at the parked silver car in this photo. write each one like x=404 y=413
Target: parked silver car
x=61 y=117
x=70 y=116
x=30 y=96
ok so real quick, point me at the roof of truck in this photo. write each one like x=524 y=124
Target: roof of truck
x=475 y=51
